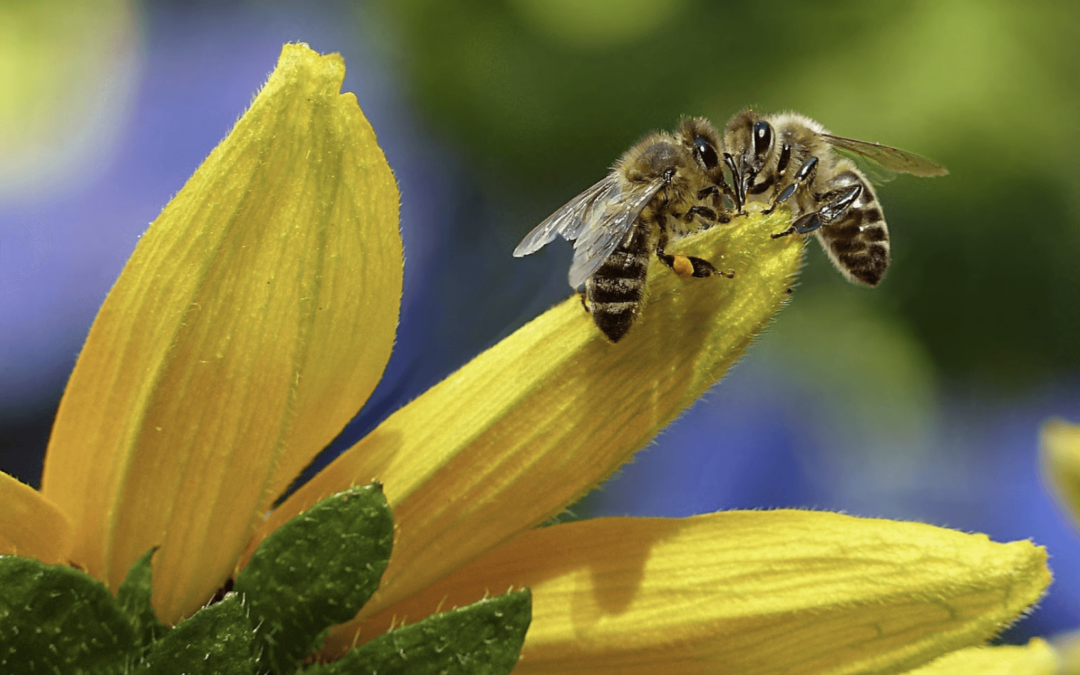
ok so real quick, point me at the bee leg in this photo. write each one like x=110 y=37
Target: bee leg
x=584 y=303
x=679 y=264
x=803 y=176
x=717 y=193
x=691 y=266
x=838 y=202
x=804 y=225
x=711 y=215
x=735 y=193
x=713 y=195
x=780 y=171
x=703 y=212
x=703 y=268
x=710 y=191
x=686 y=265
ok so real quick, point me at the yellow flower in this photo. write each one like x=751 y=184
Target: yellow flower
x=1061 y=465
x=255 y=318
x=1060 y=454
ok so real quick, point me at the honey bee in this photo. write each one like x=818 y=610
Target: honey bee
x=786 y=156
x=664 y=187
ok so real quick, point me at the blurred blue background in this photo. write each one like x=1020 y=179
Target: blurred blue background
x=920 y=400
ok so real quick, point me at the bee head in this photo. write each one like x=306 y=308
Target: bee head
x=748 y=143
x=701 y=139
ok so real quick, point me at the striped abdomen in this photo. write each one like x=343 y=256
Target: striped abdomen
x=616 y=292
x=857 y=240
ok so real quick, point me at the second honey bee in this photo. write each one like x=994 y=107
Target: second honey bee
x=662 y=188
x=787 y=157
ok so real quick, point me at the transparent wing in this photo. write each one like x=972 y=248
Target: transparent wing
x=893 y=159
x=605 y=228
x=572 y=217
x=874 y=172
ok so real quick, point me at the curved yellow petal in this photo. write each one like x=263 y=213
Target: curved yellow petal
x=1060 y=456
x=31 y=525
x=254 y=318
x=535 y=422
x=1034 y=658
x=746 y=592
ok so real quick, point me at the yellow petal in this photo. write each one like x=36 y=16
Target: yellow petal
x=1068 y=649
x=1034 y=658
x=254 y=318
x=744 y=592
x=31 y=525
x=535 y=422
x=1061 y=464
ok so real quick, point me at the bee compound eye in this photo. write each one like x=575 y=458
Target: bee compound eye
x=706 y=152
x=762 y=137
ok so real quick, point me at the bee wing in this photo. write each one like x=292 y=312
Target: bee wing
x=893 y=159
x=606 y=228
x=874 y=172
x=572 y=217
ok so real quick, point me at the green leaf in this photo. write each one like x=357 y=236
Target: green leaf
x=134 y=596
x=483 y=638
x=316 y=570
x=56 y=619
x=216 y=640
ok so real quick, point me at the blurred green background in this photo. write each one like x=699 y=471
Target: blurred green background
x=920 y=399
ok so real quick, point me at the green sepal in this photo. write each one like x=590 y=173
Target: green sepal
x=216 y=640
x=316 y=570
x=56 y=619
x=134 y=597
x=483 y=638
